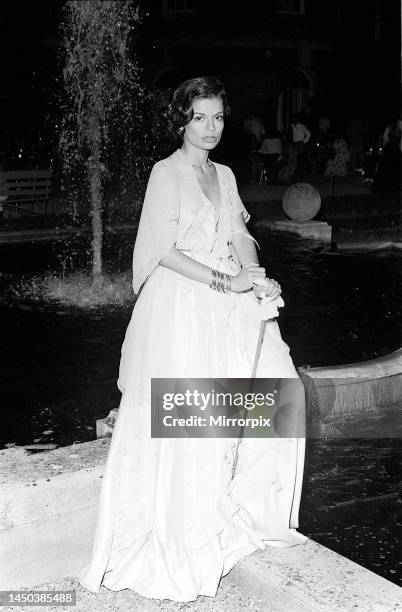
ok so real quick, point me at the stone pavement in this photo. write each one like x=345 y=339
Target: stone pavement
x=50 y=536
x=230 y=598
x=305 y=578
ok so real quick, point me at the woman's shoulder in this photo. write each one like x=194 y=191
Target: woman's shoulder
x=226 y=173
x=166 y=167
x=223 y=169
x=164 y=163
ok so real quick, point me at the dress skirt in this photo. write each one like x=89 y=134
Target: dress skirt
x=171 y=522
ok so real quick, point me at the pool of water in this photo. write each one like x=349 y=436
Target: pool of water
x=59 y=364
x=351 y=501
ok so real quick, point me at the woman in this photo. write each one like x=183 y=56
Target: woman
x=171 y=521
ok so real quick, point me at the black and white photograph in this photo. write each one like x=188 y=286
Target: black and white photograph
x=200 y=298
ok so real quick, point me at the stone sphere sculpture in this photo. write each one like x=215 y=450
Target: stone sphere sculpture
x=301 y=202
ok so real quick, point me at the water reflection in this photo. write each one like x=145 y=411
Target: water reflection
x=60 y=363
x=351 y=500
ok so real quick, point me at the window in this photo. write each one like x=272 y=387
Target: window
x=291 y=7
x=179 y=6
x=296 y=89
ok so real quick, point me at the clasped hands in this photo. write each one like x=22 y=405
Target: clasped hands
x=252 y=276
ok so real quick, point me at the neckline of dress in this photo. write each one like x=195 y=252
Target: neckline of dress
x=183 y=160
x=180 y=155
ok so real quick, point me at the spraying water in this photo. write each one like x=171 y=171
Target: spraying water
x=103 y=141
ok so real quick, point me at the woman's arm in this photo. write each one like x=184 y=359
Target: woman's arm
x=244 y=245
x=179 y=262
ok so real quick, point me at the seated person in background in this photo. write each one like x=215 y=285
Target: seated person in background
x=271 y=151
x=338 y=166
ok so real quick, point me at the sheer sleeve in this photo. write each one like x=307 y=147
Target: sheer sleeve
x=157 y=230
x=240 y=216
x=237 y=205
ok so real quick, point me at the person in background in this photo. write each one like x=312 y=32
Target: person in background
x=271 y=151
x=391 y=131
x=300 y=136
x=325 y=136
x=323 y=127
x=387 y=178
x=338 y=166
x=289 y=162
x=357 y=133
x=254 y=127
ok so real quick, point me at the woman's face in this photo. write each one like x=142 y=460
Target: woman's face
x=205 y=128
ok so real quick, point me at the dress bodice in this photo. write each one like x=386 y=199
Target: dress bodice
x=177 y=212
x=203 y=233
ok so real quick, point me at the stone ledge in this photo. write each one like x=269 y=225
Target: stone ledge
x=366 y=389
x=355 y=400
x=318 y=579
x=48 y=510
x=17 y=465
x=388 y=365
x=14 y=236
x=305 y=578
x=369 y=245
x=317 y=230
x=47 y=549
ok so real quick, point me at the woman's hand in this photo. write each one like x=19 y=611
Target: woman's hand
x=271 y=289
x=246 y=277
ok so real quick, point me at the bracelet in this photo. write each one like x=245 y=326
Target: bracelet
x=221 y=281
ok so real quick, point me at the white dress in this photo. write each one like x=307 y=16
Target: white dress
x=170 y=523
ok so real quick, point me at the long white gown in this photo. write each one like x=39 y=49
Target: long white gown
x=170 y=524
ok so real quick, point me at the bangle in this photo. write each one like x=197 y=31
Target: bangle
x=221 y=281
x=213 y=282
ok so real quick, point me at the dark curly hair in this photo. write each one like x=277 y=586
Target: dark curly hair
x=181 y=107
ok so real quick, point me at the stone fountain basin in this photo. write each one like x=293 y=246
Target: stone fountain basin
x=49 y=501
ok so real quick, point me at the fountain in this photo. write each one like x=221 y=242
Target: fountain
x=102 y=140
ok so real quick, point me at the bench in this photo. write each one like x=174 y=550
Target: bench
x=24 y=187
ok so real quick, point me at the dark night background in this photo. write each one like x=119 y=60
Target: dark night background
x=333 y=58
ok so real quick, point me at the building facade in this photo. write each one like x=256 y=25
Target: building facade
x=279 y=57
